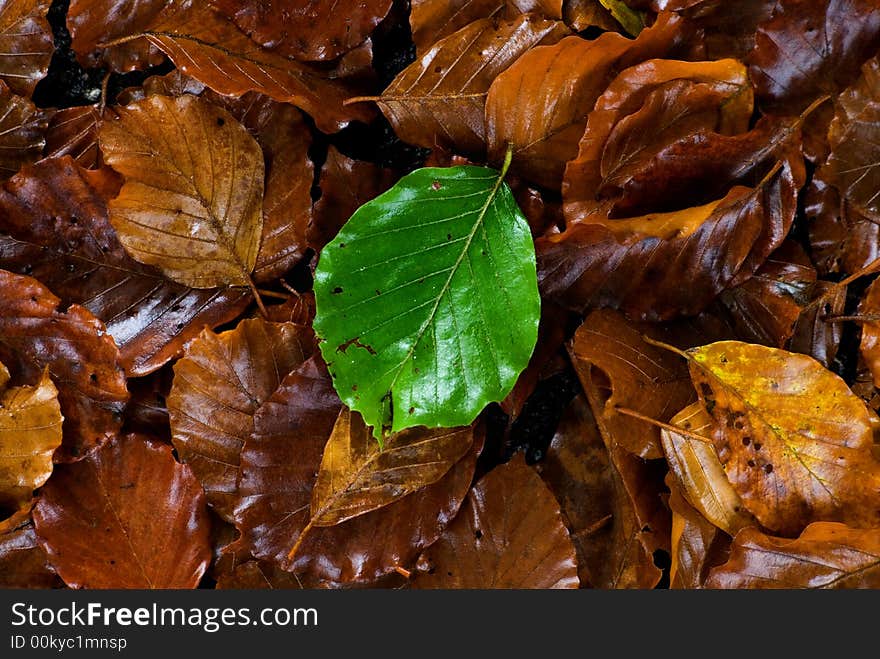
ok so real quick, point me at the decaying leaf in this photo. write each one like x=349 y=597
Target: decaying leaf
x=22 y=131
x=128 y=516
x=30 y=431
x=219 y=385
x=439 y=100
x=509 y=534
x=74 y=132
x=23 y=562
x=306 y=29
x=825 y=555
x=191 y=203
x=94 y=23
x=79 y=353
x=54 y=226
x=794 y=441
x=699 y=474
x=357 y=476
x=696 y=542
x=870 y=343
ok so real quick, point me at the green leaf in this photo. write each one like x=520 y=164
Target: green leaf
x=427 y=300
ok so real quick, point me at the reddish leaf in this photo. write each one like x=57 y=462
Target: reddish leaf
x=826 y=555
x=80 y=354
x=93 y=23
x=74 y=132
x=306 y=29
x=23 y=562
x=870 y=344
x=509 y=534
x=810 y=48
x=55 y=221
x=218 y=386
x=128 y=516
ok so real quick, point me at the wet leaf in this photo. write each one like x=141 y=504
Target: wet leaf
x=80 y=355
x=22 y=131
x=26 y=43
x=812 y=333
x=357 y=477
x=54 y=226
x=192 y=201
x=219 y=385
x=128 y=516
x=617 y=368
x=826 y=555
x=541 y=102
x=699 y=473
x=695 y=543
x=74 y=132
x=94 y=23
x=870 y=342
x=794 y=441
x=30 y=431
x=509 y=534
x=809 y=48
x=306 y=29
x=439 y=100
x=448 y=315
x=209 y=48
x=23 y=562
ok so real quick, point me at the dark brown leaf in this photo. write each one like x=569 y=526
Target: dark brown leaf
x=54 y=225
x=74 y=132
x=22 y=131
x=508 y=534
x=26 y=43
x=81 y=356
x=306 y=29
x=93 y=23
x=23 y=562
x=128 y=516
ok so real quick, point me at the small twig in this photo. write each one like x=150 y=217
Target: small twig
x=866 y=318
x=402 y=571
x=257 y=298
x=289 y=288
x=665 y=426
x=272 y=294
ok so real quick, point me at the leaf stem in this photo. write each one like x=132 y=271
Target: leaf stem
x=299 y=540
x=257 y=298
x=659 y=344
x=121 y=40
x=360 y=99
x=856 y=318
x=273 y=294
x=660 y=424
x=508 y=158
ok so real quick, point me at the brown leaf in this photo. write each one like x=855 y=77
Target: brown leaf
x=580 y=15
x=541 y=102
x=812 y=334
x=826 y=555
x=298 y=308
x=617 y=368
x=810 y=48
x=509 y=534
x=305 y=29
x=666 y=274
x=725 y=29
x=696 y=542
x=74 y=132
x=795 y=442
x=22 y=131
x=30 y=431
x=218 y=386
x=870 y=342
x=345 y=184
x=23 y=562
x=257 y=575
x=357 y=475
x=649 y=112
x=79 y=353
x=439 y=99
x=93 y=23
x=853 y=165
x=27 y=44
x=192 y=201
x=577 y=470
x=128 y=516
x=54 y=225
x=699 y=474
x=765 y=308
x=210 y=49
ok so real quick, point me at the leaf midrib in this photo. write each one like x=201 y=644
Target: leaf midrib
x=445 y=289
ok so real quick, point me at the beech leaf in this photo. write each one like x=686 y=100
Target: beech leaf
x=30 y=431
x=192 y=201
x=427 y=303
x=356 y=476
x=26 y=43
x=128 y=516
x=795 y=442
x=22 y=131
x=509 y=534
